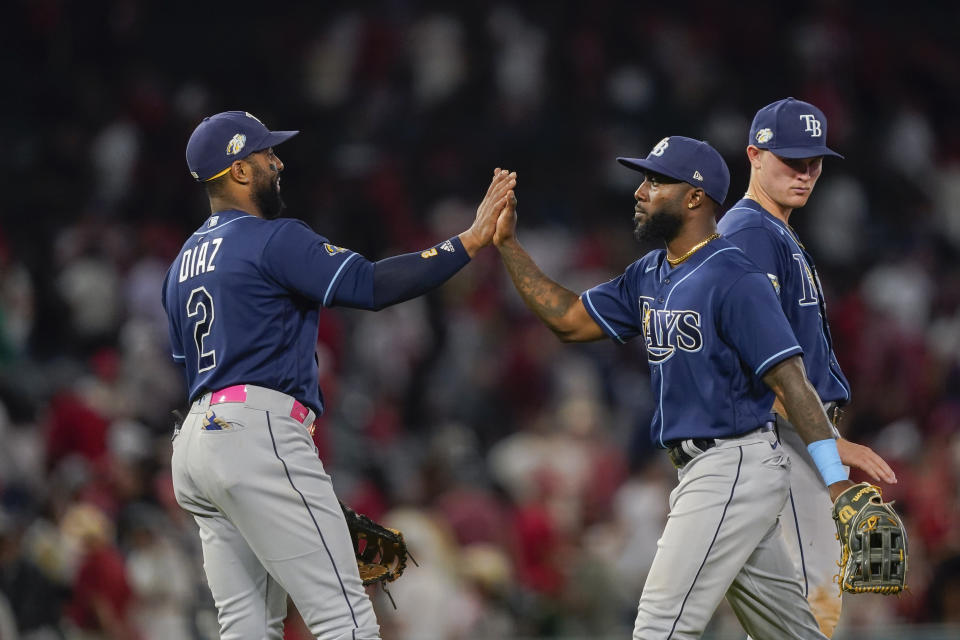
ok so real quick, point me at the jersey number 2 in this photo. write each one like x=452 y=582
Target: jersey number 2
x=201 y=304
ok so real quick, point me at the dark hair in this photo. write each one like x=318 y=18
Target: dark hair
x=217 y=186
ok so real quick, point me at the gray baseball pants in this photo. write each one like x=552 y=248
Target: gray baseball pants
x=269 y=521
x=723 y=539
x=810 y=531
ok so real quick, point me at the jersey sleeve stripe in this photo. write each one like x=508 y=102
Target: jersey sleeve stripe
x=596 y=315
x=177 y=356
x=335 y=279
x=776 y=358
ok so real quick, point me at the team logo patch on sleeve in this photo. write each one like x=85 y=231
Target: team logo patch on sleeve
x=775 y=282
x=429 y=253
x=236 y=144
x=333 y=249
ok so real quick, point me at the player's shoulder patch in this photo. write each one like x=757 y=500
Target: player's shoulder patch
x=333 y=249
x=775 y=282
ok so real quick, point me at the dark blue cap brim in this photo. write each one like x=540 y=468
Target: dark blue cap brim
x=646 y=164
x=643 y=164
x=272 y=139
x=803 y=152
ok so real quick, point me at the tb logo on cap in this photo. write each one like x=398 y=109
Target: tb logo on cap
x=661 y=147
x=813 y=125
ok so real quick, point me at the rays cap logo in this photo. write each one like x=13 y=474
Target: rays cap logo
x=687 y=160
x=791 y=128
x=221 y=139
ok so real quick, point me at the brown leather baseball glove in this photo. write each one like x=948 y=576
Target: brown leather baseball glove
x=381 y=552
x=873 y=541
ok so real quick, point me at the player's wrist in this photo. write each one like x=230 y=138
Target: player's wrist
x=837 y=489
x=827 y=458
x=470 y=241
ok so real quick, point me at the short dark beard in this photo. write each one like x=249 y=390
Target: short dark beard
x=266 y=196
x=663 y=225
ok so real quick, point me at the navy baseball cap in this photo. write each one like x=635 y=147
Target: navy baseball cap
x=791 y=128
x=687 y=160
x=225 y=137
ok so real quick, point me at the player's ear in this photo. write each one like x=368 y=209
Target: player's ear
x=695 y=198
x=241 y=171
x=753 y=155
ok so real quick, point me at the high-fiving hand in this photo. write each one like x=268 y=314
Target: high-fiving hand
x=480 y=233
x=507 y=222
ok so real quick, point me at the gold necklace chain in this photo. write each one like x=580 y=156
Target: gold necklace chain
x=747 y=194
x=700 y=245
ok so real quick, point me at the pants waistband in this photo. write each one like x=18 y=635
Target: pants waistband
x=682 y=452
x=259 y=398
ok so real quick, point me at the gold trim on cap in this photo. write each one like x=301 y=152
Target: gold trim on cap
x=217 y=175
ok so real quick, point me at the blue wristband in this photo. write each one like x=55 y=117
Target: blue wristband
x=827 y=459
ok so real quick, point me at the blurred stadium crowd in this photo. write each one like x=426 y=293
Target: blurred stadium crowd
x=519 y=469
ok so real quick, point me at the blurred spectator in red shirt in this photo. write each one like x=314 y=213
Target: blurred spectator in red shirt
x=102 y=598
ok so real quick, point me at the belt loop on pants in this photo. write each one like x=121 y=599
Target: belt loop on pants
x=238 y=393
x=682 y=452
x=835 y=413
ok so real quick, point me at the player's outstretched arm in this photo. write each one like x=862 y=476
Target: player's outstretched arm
x=480 y=233
x=788 y=380
x=556 y=306
x=376 y=285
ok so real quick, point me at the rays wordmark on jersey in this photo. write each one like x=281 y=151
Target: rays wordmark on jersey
x=808 y=285
x=666 y=330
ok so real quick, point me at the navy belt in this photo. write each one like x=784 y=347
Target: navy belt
x=683 y=451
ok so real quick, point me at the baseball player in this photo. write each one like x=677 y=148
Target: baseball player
x=243 y=299
x=786 y=148
x=719 y=350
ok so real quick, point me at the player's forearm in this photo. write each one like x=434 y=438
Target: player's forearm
x=547 y=299
x=376 y=285
x=789 y=382
x=799 y=400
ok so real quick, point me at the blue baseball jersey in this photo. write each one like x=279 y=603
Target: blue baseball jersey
x=773 y=246
x=243 y=301
x=712 y=326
